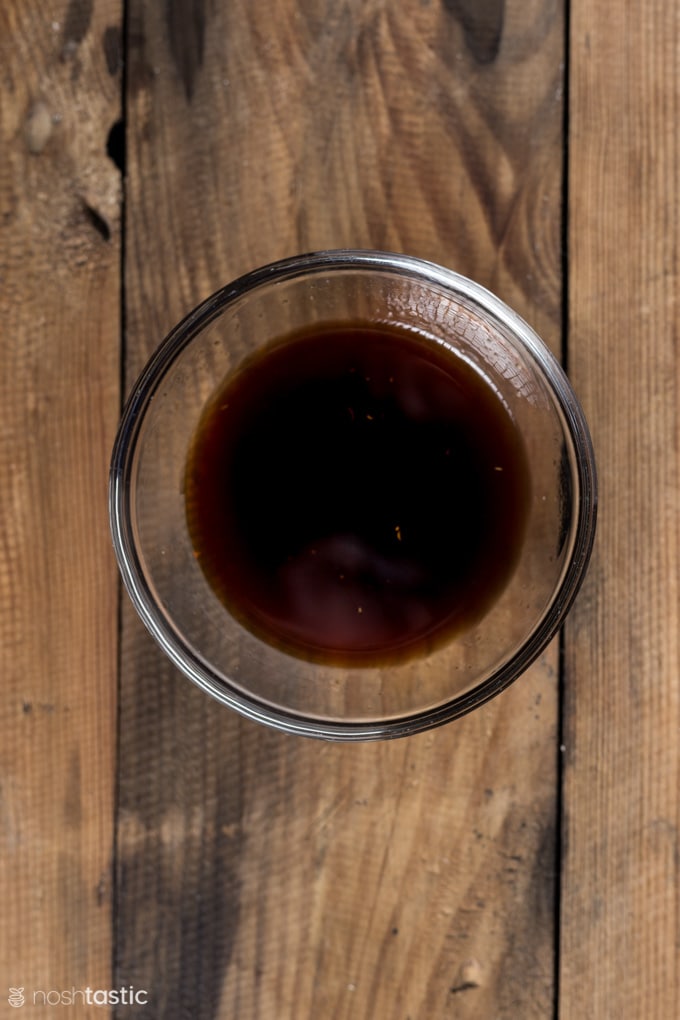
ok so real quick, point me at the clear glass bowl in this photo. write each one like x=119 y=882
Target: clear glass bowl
x=148 y=513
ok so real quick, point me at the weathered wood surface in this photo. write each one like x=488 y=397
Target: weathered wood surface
x=259 y=875
x=149 y=838
x=59 y=402
x=620 y=944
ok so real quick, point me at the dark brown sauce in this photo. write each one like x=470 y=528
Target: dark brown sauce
x=357 y=494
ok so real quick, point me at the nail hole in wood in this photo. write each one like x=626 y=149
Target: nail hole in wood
x=97 y=221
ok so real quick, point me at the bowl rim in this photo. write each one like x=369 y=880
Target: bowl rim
x=121 y=520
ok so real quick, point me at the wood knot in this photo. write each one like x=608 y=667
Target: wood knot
x=38 y=127
x=469 y=976
x=482 y=22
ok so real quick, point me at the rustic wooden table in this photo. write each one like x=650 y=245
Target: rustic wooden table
x=521 y=863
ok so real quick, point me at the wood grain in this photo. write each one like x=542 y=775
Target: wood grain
x=59 y=400
x=261 y=875
x=620 y=916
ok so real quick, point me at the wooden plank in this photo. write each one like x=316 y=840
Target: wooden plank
x=59 y=400
x=261 y=875
x=620 y=929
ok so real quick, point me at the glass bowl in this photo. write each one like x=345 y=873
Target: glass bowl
x=211 y=644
